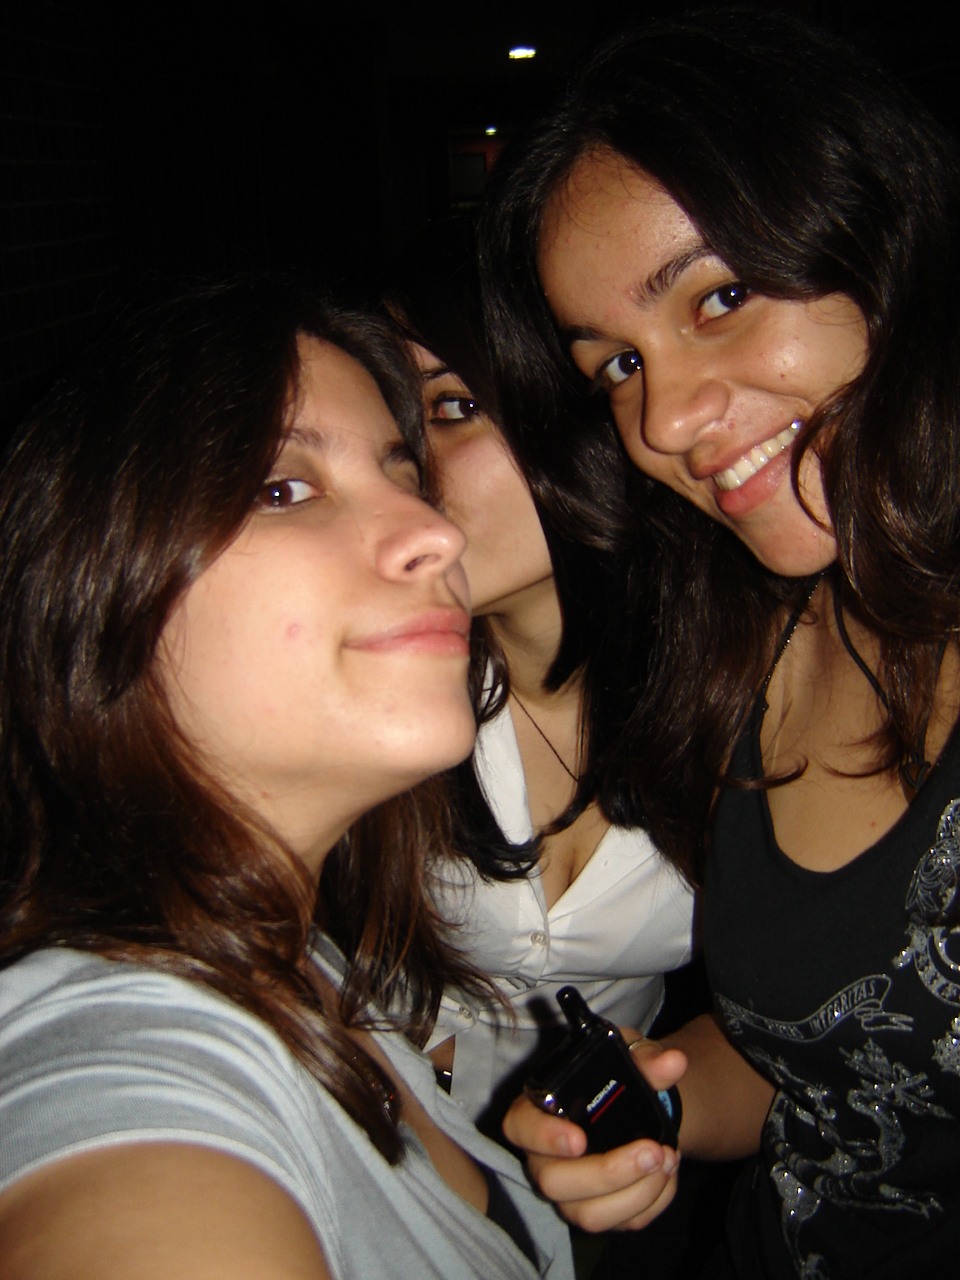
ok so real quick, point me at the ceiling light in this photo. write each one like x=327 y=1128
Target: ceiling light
x=522 y=51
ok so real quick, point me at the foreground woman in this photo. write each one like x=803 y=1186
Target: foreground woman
x=751 y=243
x=599 y=907
x=231 y=627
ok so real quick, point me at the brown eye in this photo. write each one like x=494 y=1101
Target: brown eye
x=724 y=300
x=278 y=495
x=619 y=368
x=454 y=409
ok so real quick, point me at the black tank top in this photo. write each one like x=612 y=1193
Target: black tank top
x=843 y=989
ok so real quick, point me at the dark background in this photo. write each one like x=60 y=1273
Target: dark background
x=145 y=142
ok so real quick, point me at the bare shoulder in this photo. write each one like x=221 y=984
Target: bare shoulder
x=148 y=1211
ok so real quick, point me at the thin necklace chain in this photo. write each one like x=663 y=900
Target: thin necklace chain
x=574 y=777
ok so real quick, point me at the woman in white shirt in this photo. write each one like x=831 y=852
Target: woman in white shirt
x=550 y=891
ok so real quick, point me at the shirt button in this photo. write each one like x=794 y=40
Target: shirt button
x=538 y=938
x=463 y=1012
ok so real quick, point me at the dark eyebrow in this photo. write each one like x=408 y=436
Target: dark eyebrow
x=440 y=371
x=396 y=450
x=657 y=284
x=581 y=333
x=399 y=451
x=310 y=437
x=646 y=292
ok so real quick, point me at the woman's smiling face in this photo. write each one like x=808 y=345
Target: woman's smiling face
x=708 y=381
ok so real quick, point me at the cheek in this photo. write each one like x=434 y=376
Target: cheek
x=648 y=460
x=246 y=623
x=480 y=485
x=453 y=473
x=666 y=468
x=791 y=360
x=815 y=347
x=810 y=480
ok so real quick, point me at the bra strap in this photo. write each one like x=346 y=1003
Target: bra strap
x=786 y=636
x=851 y=649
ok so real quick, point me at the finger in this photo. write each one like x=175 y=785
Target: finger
x=646 y=1216
x=660 y=1067
x=630 y=1208
x=600 y=1174
x=533 y=1130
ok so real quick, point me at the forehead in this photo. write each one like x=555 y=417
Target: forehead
x=424 y=358
x=608 y=225
x=337 y=397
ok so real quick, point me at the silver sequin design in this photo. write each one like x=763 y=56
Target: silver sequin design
x=853 y=1174
x=934 y=949
x=854 y=1171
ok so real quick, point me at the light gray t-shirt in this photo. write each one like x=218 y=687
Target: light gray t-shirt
x=95 y=1052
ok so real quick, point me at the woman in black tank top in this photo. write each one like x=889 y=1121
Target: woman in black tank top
x=751 y=242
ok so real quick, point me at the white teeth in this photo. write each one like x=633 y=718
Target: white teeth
x=757 y=458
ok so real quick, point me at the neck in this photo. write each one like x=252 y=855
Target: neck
x=804 y=680
x=528 y=629
x=829 y=649
x=304 y=821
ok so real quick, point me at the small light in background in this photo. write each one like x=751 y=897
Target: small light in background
x=522 y=51
x=491 y=131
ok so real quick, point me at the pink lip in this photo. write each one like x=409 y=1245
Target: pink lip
x=757 y=490
x=440 y=631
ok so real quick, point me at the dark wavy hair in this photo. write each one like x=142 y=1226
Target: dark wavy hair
x=434 y=298
x=809 y=173
x=117 y=493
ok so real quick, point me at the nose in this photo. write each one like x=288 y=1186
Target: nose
x=681 y=402
x=417 y=541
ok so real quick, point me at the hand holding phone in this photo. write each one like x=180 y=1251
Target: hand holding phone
x=591 y=1079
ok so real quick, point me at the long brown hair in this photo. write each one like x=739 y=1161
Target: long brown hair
x=117 y=493
x=808 y=173
x=434 y=298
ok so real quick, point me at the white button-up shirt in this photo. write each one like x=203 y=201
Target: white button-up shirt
x=624 y=921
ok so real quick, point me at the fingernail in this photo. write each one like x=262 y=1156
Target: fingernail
x=671 y=1162
x=648 y=1160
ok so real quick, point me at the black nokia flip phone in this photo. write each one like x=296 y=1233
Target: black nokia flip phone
x=591 y=1079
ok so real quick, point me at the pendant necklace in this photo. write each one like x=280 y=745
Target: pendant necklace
x=574 y=777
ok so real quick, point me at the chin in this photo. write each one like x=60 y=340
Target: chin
x=447 y=740
x=795 y=553
x=799 y=564
x=452 y=749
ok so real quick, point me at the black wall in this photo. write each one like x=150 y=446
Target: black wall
x=141 y=144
